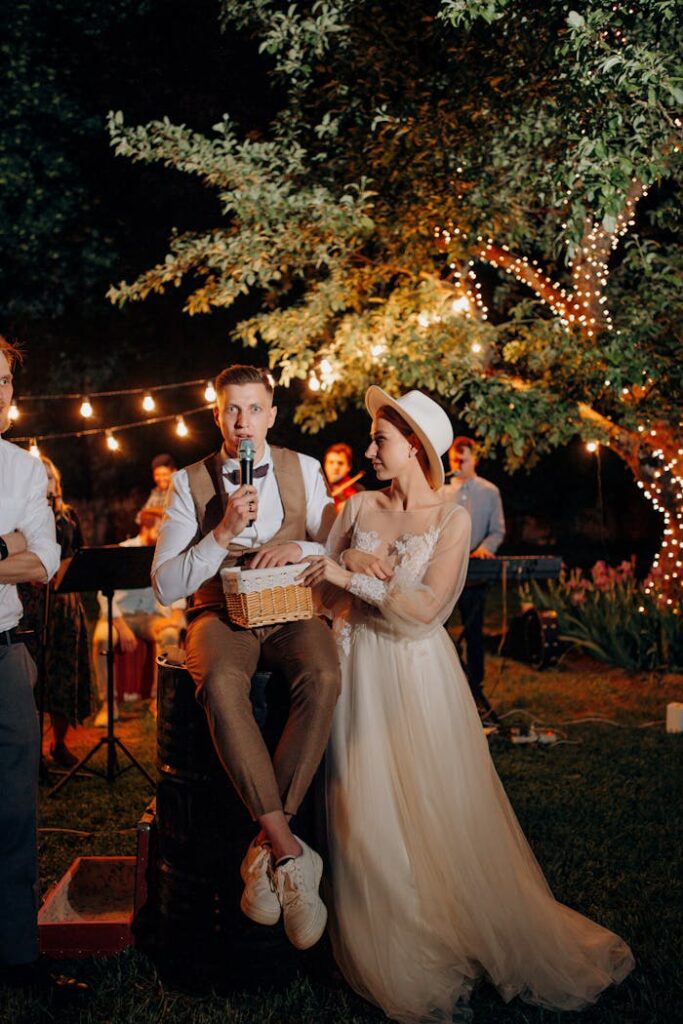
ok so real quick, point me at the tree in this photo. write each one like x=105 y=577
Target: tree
x=432 y=159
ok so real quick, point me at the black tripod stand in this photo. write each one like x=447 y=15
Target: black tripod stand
x=107 y=569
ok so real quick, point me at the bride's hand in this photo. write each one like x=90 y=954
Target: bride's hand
x=367 y=563
x=321 y=569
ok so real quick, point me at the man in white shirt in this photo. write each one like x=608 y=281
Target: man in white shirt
x=28 y=553
x=136 y=615
x=206 y=526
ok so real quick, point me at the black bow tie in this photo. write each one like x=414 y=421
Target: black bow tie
x=235 y=475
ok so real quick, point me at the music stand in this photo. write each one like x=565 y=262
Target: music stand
x=107 y=568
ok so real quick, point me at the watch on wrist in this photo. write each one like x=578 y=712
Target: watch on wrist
x=4 y=552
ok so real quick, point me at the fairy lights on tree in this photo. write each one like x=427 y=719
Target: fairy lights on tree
x=418 y=142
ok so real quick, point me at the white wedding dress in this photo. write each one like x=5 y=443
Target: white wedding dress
x=433 y=884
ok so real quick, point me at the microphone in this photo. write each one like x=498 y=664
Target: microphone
x=246 y=453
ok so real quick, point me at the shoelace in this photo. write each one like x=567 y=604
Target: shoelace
x=288 y=884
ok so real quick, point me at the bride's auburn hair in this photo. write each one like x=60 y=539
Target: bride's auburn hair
x=391 y=415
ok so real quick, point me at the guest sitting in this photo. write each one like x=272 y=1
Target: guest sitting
x=337 y=464
x=136 y=615
x=68 y=689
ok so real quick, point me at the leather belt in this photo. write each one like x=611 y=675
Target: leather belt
x=9 y=637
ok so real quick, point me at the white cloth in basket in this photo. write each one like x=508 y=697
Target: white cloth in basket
x=253 y=581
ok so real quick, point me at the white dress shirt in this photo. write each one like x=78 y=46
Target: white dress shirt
x=24 y=506
x=181 y=566
x=140 y=600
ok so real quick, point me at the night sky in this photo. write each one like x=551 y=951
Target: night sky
x=168 y=58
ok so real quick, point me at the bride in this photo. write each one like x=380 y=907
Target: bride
x=433 y=884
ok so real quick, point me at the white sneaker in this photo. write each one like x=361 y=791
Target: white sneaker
x=296 y=883
x=101 y=716
x=259 y=902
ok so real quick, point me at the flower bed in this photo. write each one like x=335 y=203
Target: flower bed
x=609 y=613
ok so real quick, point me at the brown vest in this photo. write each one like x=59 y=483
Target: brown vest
x=208 y=493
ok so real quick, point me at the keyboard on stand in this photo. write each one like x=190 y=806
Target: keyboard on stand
x=513 y=568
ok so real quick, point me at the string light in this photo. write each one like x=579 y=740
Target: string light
x=583 y=307
x=13 y=412
x=34 y=450
x=86 y=409
x=114 y=428
x=313 y=383
x=210 y=392
x=460 y=305
x=112 y=442
x=148 y=403
x=115 y=392
x=181 y=429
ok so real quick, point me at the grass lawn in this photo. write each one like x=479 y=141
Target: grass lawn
x=603 y=813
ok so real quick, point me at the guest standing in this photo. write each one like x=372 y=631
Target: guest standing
x=67 y=687
x=481 y=499
x=163 y=468
x=337 y=465
x=28 y=553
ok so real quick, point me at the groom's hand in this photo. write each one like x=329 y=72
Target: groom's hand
x=367 y=563
x=279 y=554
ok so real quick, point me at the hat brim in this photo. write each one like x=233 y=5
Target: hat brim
x=375 y=398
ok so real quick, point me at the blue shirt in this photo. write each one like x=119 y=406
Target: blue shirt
x=482 y=500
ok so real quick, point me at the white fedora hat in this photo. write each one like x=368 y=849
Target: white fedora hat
x=427 y=419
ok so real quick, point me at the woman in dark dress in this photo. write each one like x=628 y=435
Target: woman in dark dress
x=68 y=681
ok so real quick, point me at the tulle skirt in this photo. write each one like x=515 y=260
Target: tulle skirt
x=432 y=883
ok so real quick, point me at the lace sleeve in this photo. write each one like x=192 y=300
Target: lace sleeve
x=428 y=580
x=368 y=589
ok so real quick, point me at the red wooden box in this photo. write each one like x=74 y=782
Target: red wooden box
x=89 y=912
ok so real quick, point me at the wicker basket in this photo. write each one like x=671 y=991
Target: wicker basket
x=262 y=597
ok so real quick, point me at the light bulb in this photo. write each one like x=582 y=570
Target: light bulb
x=34 y=450
x=210 y=392
x=14 y=411
x=148 y=403
x=313 y=383
x=86 y=409
x=112 y=442
x=592 y=446
x=476 y=347
x=181 y=427
x=460 y=305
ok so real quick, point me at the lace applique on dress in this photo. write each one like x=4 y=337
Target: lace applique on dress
x=344 y=633
x=414 y=551
x=366 y=540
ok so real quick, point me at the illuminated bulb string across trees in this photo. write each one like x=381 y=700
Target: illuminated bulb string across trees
x=89 y=404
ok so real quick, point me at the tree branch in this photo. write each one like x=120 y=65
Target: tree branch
x=562 y=304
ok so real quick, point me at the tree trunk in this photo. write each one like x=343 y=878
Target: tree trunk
x=654 y=456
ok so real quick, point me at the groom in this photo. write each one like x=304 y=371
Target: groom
x=206 y=527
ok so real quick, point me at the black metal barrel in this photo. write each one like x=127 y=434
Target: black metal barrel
x=203 y=831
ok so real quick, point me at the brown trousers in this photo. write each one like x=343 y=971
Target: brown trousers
x=221 y=659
